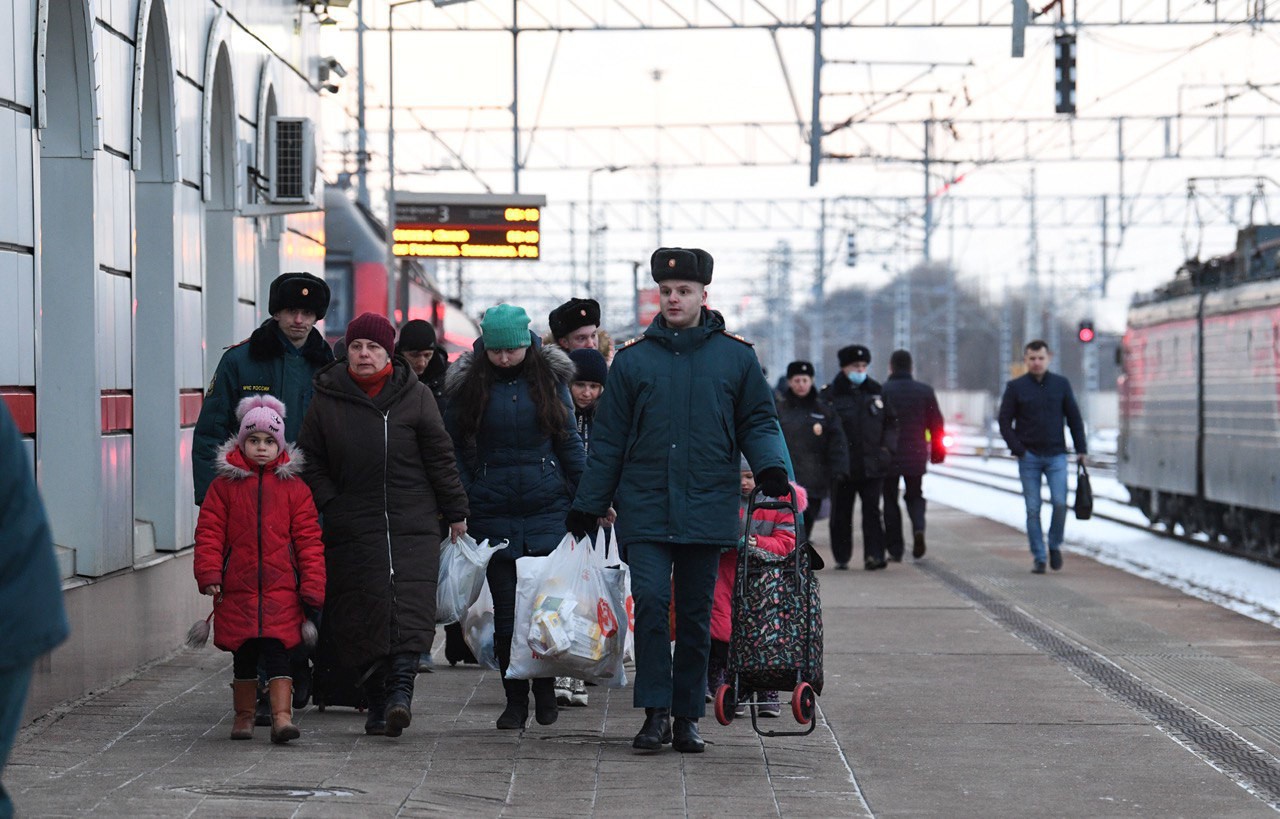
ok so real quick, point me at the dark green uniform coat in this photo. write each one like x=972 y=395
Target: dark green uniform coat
x=265 y=363
x=681 y=408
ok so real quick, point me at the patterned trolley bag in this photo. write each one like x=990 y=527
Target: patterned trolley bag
x=776 y=632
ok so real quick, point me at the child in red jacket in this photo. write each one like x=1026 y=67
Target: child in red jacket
x=258 y=550
x=774 y=531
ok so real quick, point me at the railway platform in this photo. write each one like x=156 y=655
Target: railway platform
x=957 y=685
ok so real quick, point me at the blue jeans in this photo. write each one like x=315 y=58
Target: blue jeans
x=1054 y=468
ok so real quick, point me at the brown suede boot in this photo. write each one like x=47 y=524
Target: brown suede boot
x=282 y=728
x=244 y=694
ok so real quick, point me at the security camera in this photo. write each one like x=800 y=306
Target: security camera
x=335 y=66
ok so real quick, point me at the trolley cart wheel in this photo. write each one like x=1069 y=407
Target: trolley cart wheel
x=803 y=703
x=725 y=704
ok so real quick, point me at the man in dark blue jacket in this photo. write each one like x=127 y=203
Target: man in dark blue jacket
x=1032 y=413
x=683 y=401
x=32 y=618
x=918 y=414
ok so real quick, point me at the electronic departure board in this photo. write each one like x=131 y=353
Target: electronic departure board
x=468 y=226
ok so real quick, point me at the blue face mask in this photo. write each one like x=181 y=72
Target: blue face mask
x=856 y=378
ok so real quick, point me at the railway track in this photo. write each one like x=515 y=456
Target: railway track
x=1010 y=485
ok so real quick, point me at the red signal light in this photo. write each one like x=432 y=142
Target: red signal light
x=1085 y=333
x=947 y=442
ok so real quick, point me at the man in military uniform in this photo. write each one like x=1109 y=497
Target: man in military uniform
x=279 y=358
x=871 y=427
x=683 y=400
x=575 y=323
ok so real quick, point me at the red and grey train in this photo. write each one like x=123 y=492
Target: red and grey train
x=1199 y=440
x=356 y=270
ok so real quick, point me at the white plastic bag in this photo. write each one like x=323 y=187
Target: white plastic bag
x=462 y=571
x=477 y=628
x=618 y=574
x=568 y=619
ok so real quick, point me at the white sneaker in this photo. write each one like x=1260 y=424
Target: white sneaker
x=564 y=692
x=577 y=693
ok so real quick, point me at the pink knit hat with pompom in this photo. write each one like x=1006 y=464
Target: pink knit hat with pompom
x=261 y=413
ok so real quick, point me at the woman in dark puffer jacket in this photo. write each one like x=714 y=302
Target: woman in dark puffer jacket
x=381 y=468
x=520 y=459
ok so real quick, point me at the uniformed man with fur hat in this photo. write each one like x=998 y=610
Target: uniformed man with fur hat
x=279 y=358
x=871 y=427
x=575 y=324
x=685 y=400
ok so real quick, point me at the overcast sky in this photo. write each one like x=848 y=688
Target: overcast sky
x=458 y=80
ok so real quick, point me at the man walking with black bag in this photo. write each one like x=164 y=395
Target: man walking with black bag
x=1032 y=412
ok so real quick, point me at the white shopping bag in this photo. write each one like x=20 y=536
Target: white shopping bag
x=462 y=572
x=618 y=574
x=477 y=628
x=569 y=620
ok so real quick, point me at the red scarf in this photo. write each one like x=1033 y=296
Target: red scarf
x=372 y=384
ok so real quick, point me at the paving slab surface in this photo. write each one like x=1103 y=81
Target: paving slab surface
x=960 y=685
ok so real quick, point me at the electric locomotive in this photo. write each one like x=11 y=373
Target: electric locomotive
x=1199 y=445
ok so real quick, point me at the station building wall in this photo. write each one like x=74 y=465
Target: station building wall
x=128 y=131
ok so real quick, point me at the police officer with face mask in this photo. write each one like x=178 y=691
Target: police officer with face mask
x=872 y=430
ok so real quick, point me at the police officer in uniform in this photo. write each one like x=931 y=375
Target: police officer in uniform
x=872 y=430
x=683 y=400
x=815 y=437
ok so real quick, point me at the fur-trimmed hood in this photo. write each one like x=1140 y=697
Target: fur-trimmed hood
x=230 y=462
x=265 y=343
x=561 y=365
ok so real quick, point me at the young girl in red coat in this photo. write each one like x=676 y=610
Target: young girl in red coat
x=258 y=551
x=773 y=530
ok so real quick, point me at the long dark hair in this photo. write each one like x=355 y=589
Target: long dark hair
x=473 y=394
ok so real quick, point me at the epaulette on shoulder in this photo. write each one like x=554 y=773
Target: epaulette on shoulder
x=240 y=343
x=629 y=342
x=737 y=337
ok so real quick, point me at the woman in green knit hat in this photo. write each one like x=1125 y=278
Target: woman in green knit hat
x=520 y=458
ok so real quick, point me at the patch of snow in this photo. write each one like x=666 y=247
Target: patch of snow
x=1239 y=585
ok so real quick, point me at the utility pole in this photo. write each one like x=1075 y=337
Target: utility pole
x=1031 y=325
x=953 y=374
x=928 y=194
x=816 y=322
x=515 y=97
x=362 y=136
x=782 y=342
x=815 y=122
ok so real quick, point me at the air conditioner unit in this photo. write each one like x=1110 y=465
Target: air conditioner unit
x=291 y=161
x=290 y=182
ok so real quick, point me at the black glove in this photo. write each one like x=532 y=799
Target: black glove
x=580 y=523
x=773 y=482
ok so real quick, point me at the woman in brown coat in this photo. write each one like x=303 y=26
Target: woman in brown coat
x=382 y=470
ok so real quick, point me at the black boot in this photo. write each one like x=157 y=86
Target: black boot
x=516 y=714
x=656 y=731
x=399 y=688
x=684 y=736
x=545 y=710
x=455 y=646
x=375 y=691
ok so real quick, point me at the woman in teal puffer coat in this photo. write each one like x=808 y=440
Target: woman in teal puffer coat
x=520 y=459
